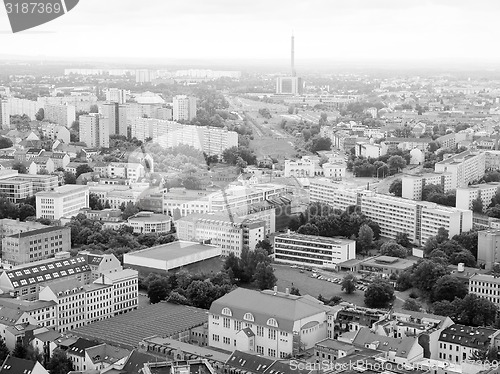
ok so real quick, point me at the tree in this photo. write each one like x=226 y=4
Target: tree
x=25 y=211
x=69 y=178
x=40 y=115
x=94 y=202
x=5 y=142
x=130 y=210
x=4 y=351
x=59 y=362
x=94 y=108
x=349 y=283
x=177 y=298
x=291 y=109
x=391 y=248
x=379 y=294
x=321 y=144
x=232 y=264
x=83 y=168
x=264 y=276
x=21 y=168
x=442 y=235
x=295 y=291
x=403 y=239
x=448 y=287
x=465 y=257
x=308 y=229
x=266 y=245
x=157 y=291
x=201 y=293
x=20 y=350
x=365 y=238
x=396 y=163
x=396 y=187
x=426 y=274
x=475 y=311
x=477 y=205
x=404 y=281
x=411 y=304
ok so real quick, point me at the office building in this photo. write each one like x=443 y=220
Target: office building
x=412 y=185
x=184 y=108
x=117 y=95
x=63 y=115
x=465 y=167
x=313 y=251
x=230 y=234
x=35 y=245
x=270 y=323
x=488 y=248
x=64 y=201
x=485 y=285
x=485 y=192
x=116 y=116
x=148 y=222
x=420 y=219
x=15 y=190
x=94 y=131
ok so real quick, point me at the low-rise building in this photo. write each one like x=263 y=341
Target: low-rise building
x=387 y=264
x=165 y=257
x=313 y=251
x=148 y=222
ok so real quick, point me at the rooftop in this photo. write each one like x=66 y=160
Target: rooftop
x=316 y=239
x=172 y=250
x=14 y=365
x=62 y=190
x=473 y=337
x=44 y=230
x=127 y=330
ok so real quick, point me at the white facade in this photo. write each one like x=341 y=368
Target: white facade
x=268 y=323
x=94 y=131
x=148 y=222
x=466 y=195
x=465 y=167
x=369 y=150
x=125 y=289
x=300 y=169
x=412 y=185
x=420 y=219
x=4 y=115
x=488 y=248
x=487 y=286
x=184 y=108
x=116 y=116
x=64 y=201
x=117 y=95
x=315 y=251
x=22 y=106
x=61 y=114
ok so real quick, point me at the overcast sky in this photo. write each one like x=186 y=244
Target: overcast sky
x=260 y=29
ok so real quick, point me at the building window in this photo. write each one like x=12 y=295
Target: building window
x=260 y=331
x=227 y=323
x=272 y=334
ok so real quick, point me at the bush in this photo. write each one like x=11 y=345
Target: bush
x=413 y=295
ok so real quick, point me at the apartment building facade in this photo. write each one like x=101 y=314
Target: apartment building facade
x=465 y=167
x=485 y=192
x=94 y=130
x=412 y=185
x=184 y=108
x=488 y=248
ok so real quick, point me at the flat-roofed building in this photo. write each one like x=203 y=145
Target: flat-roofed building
x=15 y=190
x=315 y=251
x=148 y=222
x=486 y=286
x=488 y=248
x=125 y=292
x=412 y=185
x=64 y=201
x=387 y=264
x=35 y=245
x=465 y=167
x=170 y=256
x=231 y=234
x=270 y=323
x=485 y=192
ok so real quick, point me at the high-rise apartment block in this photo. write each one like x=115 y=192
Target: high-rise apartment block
x=4 y=115
x=61 y=114
x=465 y=167
x=420 y=219
x=184 y=108
x=116 y=116
x=117 y=95
x=211 y=140
x=485 y=192
x=412 y=185
x=94 y=131
x=488 y=248
x=64 y=201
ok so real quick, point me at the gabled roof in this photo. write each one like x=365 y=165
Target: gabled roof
x=401 y=347
x=136 y=361
x=78 y=348
x=284 y=308
x=48 y=336
x=9 y=316
x=14 y=365
x=467 y=336
x=57 y=269
x=251 y=363
x=106 y=353
x=66 y=285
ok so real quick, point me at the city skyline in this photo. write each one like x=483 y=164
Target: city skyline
x=337 y=31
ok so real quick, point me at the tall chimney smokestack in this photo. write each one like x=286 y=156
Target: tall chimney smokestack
x=293 y=55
